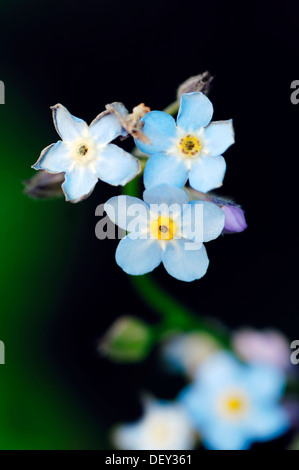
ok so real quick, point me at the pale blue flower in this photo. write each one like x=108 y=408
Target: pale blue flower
x=166 y=231
x=192 y=148
x=233 y=405
x=184 y=352
x=85 y=154
x=164 y=426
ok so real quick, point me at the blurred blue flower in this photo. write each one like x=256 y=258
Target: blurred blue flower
x=166 y=229
x=85 y=154
x=192 y=148
x=233 y=405
x=184 y=352
x=164 y=426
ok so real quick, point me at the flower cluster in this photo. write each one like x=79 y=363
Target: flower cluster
x=187 y=150
x=163 y=232
x=229 y=405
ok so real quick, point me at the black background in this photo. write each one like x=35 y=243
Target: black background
x=87 y=54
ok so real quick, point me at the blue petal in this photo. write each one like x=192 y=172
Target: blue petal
x=138 y=256
x=218 y=370
x=212 y=221
x=219 y=135
x=196 y=111
x=160 y=128
x=198 y=402
x=121 y=210
x=265 y=382
x=115 y=166
x=165 y=168
x=185 y=265
x=78 y=184
x=68 y=126
x=163 y=193
x=55 y=159
x=106 y=128
x=224 y=437
x=267 y=422
x=207 y=173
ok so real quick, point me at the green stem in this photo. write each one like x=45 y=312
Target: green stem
x=172 y=108
x=175 y=316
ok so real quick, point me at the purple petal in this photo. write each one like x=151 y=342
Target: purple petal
x=234 y=219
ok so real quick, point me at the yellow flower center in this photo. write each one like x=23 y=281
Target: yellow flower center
x=163 y=228
x=190 y=145
x=82 y=150
x=159 y=431
x=233 y=405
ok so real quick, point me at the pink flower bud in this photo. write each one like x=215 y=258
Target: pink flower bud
x=234 y=218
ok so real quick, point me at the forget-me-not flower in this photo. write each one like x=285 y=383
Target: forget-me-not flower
x=233 y=405
x=192 y=148
x=85 y=154
x=166 y=231
x=184 y=352
x=164 y=426
x=267 y=346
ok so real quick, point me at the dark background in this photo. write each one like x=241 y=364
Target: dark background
x=87 y=54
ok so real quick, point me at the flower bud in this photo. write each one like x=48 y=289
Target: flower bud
x=44 y=185
x=127 y=340
x=201 y=82
x=234 y=218
x=234 y=215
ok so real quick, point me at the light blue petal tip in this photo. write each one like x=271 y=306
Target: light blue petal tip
x=207 y=173
x=196 y=111
x=138 y=256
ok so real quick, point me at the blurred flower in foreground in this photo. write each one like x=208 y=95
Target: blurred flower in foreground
x=233 y=405
x=164 y=426
x=184 y=352
x=85 y=154
x=267 y=346
x=165 y=226
x=127 y=340
x=192 y=148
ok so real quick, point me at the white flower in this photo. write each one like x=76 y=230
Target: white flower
x=164 y=426
x=85 y=154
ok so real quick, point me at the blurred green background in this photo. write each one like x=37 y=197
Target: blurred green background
x=37 y=410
